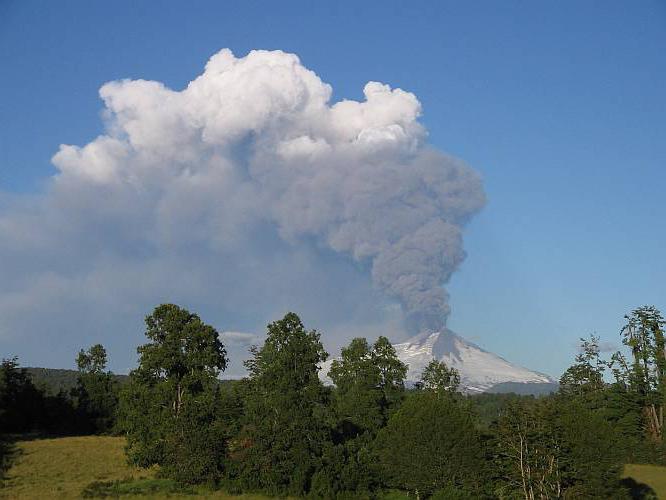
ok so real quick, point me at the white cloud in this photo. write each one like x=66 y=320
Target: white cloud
x=240 y=338
x=248 y=176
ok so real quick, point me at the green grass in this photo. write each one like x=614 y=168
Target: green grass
x=653 y=476
x=66 y=467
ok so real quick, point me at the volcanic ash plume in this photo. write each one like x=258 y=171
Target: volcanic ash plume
x=255 y=142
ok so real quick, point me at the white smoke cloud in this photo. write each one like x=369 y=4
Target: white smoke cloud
x=248 y=169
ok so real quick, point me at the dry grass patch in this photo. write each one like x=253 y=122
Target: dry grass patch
x=64 y=467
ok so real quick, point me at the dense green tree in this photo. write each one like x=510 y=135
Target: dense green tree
x=93 y=360
x=369 y=384
x=644 y=335
x=586 y=375
x=169 y=409
x=358 y=397
x=429 y=444
x=21 y=403
x=527 y=459
x=439 y=378
x=556 y=447
x=591 y=454
x=96 y=391
x=392 y=374
x=25 y=408
x=347 y=470
x=286 y=421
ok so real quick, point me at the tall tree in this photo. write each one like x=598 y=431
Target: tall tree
x=286 y=415
x=93 y=360
x=392 y=374
x=96 y=391
x=556 y=447
x=644 y=335
x=21 y=403
x=586 y=375
x=439 y=378
x=369 y=383
x=169 y=408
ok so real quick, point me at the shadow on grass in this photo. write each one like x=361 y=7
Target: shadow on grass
x=133 y=487
x=638 y=491
x=8 y=453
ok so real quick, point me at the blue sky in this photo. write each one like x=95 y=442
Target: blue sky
x=560 y=106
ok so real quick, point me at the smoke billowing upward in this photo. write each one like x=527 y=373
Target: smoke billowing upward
x=253 y=142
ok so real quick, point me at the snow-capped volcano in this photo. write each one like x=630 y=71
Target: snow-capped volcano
x=479 y=369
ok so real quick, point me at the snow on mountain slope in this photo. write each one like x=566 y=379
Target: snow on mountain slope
x=479 y=369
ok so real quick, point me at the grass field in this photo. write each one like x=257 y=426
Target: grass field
x=652 y=475
x=63 y=467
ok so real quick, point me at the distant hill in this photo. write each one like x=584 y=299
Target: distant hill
x=525 y=388
x=54 y=380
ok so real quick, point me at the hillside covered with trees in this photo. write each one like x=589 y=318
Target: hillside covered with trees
x=281 y=432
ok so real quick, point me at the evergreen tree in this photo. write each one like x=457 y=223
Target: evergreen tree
x=286 y=421
x=169 y=410
x=429 y=444
x=96 y=392
x=21 y=403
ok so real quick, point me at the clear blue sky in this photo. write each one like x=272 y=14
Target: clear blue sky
x=560 y=105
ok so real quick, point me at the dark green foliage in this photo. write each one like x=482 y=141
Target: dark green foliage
x=591 y=460
x=453 y=493
x=96 y=391
x=195 y=442
x=488 y=407
x=170 y=409
x=586 y=376
x=370 y=384
x=557 y=446
x=359 y=399
x=429 y=444
x=25 y=408
x=638 y=491
x=286 y=412
x=438 y=377
x=644 y=335
x=282 y=432
x=8 y=452
x=21 y=403
x=347 y=470
x=133 y=487
x=392 y=373
x=52 y=381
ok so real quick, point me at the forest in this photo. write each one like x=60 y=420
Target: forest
x=281 y=432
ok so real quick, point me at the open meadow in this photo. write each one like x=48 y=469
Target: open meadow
x=65 y=467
